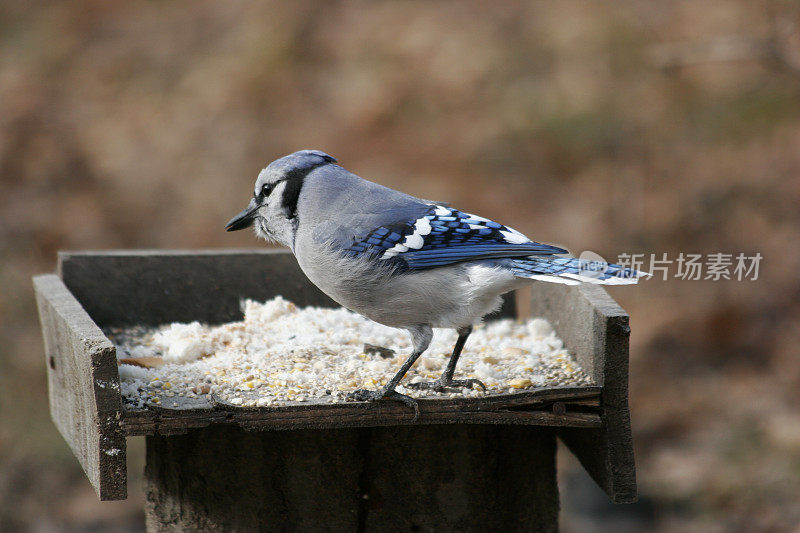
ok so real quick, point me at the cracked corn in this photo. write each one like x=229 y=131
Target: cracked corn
x=282 y=354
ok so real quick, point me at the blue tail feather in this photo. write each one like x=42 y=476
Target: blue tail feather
x=572 y=270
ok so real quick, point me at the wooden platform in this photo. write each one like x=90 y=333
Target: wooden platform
x=103 y=289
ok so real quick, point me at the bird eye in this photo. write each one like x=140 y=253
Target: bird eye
x=266 y=190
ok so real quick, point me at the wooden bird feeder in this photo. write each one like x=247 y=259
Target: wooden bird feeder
x=465 y=464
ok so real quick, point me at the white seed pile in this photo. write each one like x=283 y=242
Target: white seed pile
x=280 y=354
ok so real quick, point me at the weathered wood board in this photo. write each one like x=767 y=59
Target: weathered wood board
x=83 y=385
x=596 y=330
x=557 y=407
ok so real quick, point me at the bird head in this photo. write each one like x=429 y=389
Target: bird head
x=273 y=208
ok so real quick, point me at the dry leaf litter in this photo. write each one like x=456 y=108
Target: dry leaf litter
x=281 y=354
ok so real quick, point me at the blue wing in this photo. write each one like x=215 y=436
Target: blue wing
x=444 y=236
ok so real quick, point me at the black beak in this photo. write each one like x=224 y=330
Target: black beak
x=244 y=219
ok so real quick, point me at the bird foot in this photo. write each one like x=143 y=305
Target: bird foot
x=364 y=395
x=451 y=385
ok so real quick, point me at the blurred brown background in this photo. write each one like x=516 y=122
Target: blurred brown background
x=638 y=127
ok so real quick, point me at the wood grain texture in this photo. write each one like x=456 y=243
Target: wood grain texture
x=151 y=287
x=83 y=386
x=580 y=409
x=596 y=329
x=430 y=478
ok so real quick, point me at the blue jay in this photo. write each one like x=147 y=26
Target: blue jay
x=399 y=260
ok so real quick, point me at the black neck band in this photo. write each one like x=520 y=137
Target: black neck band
x=294 y=183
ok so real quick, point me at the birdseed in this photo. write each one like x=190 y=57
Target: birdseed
x=281 y=354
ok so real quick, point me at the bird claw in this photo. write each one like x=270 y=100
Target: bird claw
x=364 y=395
x=452 y=385
x=468 y=383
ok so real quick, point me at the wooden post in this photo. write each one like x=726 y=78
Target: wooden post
x=428 y=478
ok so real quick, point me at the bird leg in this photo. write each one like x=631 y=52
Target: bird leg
x=446 y=383
x=387 y=391
x=421 y=337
